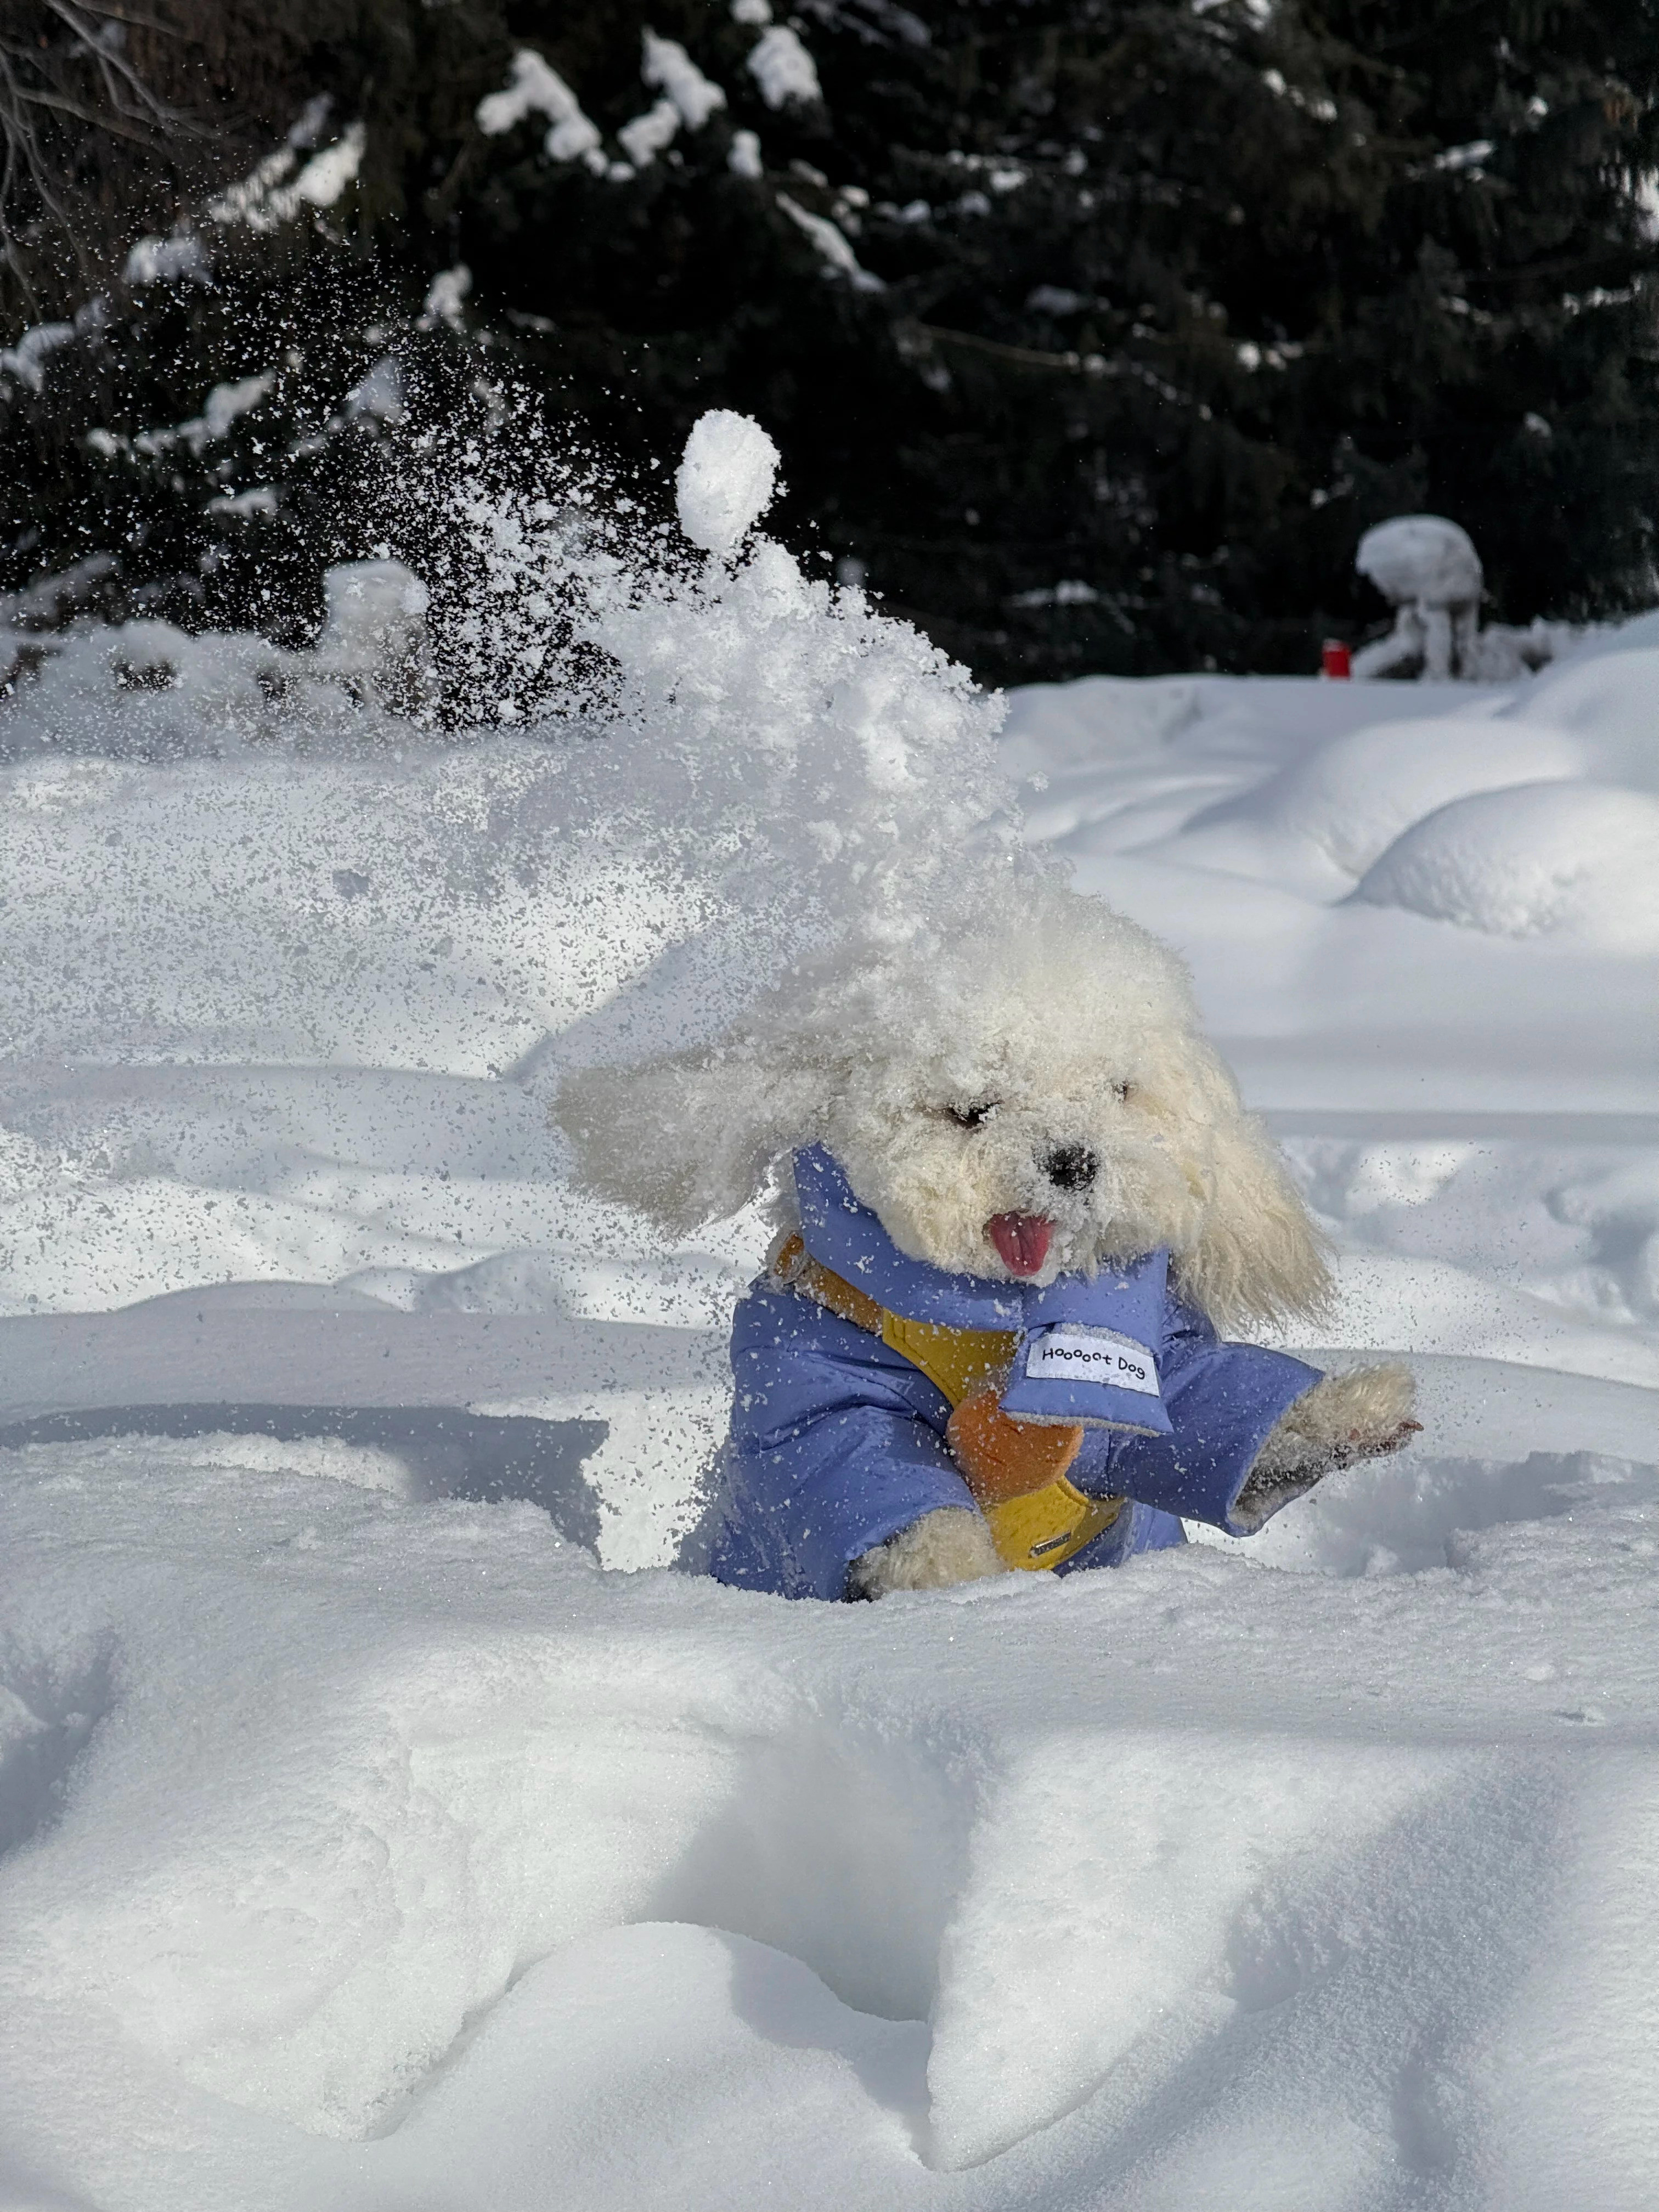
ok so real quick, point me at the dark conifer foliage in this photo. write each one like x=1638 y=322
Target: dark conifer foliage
x=1097 y=330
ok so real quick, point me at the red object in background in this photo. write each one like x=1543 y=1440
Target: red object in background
x=1334 y=661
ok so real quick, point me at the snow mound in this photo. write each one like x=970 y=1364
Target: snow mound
x=1338 y=809
x=726 y=480
x=1639 y=634
x=1609 y=701
x=1354 y=796
x=147 y=690
x=535 y=1886
x=1413 y=1519
x=1578 y=859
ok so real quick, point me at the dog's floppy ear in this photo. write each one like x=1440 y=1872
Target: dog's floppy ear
x=688 y=1138
x=1258 y=1256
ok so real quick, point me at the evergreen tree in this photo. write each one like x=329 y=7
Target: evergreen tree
x=1097 y=332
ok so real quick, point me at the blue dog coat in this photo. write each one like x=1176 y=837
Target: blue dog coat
x=837 y=1438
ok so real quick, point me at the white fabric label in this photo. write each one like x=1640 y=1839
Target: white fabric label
x=1076 y=1354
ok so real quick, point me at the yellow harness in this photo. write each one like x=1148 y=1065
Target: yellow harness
x=1038 y=1529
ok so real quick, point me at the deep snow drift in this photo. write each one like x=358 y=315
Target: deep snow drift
x=367 y=1841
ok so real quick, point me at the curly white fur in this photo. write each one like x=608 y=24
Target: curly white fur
x=947 y=1546
x=1073 y=1030
x=1343 y=1419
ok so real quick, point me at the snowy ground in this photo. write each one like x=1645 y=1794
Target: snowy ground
x=369 y=1841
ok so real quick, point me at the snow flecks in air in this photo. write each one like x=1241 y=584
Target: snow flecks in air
x=445 y=298
x=380 y=393
x=840 y=766
x=224 y=406
x=261 y=499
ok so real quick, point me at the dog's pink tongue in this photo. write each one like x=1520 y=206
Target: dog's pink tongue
x=1022 y=1240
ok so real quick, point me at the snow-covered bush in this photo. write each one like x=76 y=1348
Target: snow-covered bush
x=147 y=689
x=1428 y=569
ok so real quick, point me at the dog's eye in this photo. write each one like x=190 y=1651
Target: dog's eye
x=1121 y=1090
x=972 y=1117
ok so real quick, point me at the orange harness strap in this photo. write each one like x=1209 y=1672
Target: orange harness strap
x=1016 y=1470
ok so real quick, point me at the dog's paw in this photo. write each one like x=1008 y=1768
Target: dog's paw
x=949 y=1546
x=1363 y=1414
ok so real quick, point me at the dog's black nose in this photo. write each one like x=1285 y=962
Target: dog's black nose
x=1070 y=1167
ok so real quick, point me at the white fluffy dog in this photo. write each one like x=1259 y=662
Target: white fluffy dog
x=1019 y=1110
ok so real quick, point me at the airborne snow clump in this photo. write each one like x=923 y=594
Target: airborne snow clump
x=726 y=480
